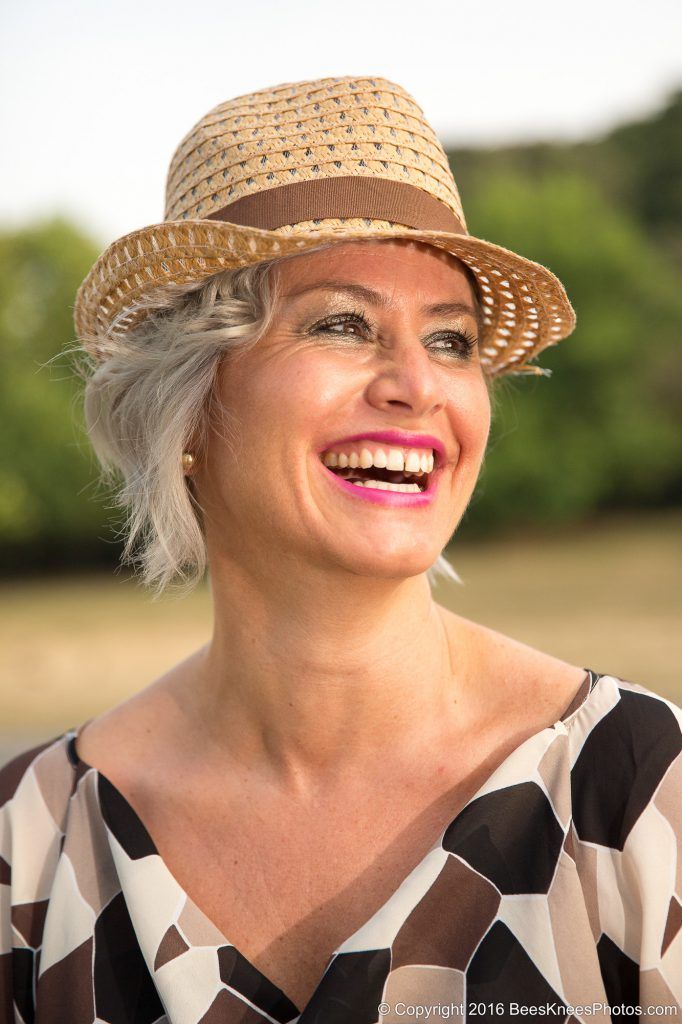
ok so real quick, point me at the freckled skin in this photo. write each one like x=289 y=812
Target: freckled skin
x=262 y=484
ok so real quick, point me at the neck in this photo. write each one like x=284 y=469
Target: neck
x=312 y=672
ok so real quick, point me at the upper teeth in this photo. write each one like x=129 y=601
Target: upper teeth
x=408 y=460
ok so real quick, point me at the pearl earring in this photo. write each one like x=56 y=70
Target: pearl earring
x=187 y=461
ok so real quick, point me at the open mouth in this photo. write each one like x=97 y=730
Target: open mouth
x=407 y=471
x=383 y=479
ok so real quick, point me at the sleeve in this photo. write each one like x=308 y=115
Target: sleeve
x=626 y=783
x=25 y=797
x=6 y=997
x=647 y=858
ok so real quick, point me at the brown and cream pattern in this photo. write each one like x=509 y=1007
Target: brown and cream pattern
x=559 y=884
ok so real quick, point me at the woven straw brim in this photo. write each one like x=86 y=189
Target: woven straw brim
x=525 y=307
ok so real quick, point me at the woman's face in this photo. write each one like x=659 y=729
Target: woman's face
x=369 y=371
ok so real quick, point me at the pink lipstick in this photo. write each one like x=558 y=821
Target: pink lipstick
x=393 y=499
x=379 y=496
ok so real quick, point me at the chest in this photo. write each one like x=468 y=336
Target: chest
x=288 y=882
x=288 y=885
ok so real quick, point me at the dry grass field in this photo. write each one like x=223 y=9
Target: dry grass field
x=607 y=598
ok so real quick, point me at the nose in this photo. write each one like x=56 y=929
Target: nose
x=406 y=379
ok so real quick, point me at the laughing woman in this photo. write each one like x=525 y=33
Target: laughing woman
x=351 y=805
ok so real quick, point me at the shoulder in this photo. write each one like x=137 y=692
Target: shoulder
x=116 y=741
x=512 y=679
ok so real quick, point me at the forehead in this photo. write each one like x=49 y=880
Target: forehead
x=401 y=267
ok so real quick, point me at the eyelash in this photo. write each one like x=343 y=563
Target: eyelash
x=467 y=339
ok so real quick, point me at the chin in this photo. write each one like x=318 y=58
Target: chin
x=391 y=565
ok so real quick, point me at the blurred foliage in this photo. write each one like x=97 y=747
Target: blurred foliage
x=605 y=430
x=47 y=470
x=602 y=433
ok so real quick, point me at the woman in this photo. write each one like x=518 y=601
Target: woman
x=351 y=805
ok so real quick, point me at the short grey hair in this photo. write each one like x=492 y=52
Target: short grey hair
x=151 y=395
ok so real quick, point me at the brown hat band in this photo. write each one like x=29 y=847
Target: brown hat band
x=346 y=196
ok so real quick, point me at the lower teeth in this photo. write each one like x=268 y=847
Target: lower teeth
x=382 y=485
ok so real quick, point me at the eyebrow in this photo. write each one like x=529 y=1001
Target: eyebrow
x=377 y=299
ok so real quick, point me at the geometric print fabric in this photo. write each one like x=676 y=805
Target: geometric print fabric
x=559 y=884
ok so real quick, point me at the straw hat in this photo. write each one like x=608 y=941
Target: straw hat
x=290 y=167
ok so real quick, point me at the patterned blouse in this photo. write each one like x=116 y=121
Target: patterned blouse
x=558 y=886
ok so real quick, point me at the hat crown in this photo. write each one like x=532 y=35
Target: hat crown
x=307 y=131
x=280 y=172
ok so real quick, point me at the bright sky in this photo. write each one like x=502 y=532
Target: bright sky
x=96 y=94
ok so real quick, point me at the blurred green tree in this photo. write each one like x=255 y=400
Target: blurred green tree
x=49 y=512
x=606 y=429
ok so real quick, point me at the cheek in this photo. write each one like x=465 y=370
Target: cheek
x=305 y=390
x=282 y=403
x=470 y=413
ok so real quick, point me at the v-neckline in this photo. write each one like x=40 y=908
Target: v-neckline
x=579 y=699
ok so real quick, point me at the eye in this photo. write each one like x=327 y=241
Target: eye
x=344 y=321
x=453 y=344
x=457 y=343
